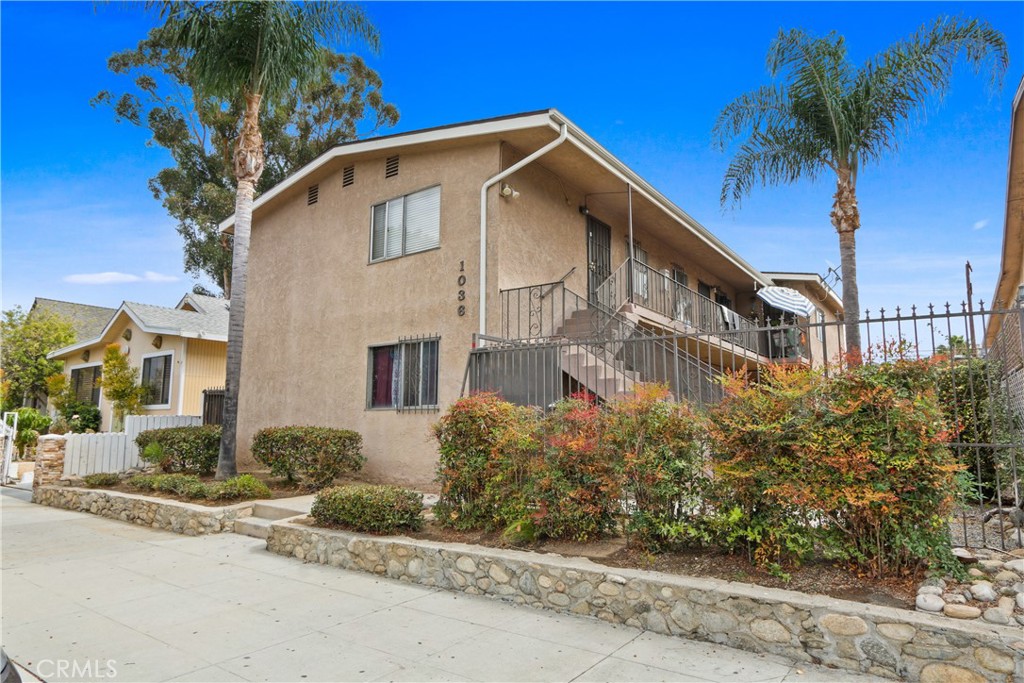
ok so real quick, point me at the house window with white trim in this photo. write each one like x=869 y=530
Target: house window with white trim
x=85 y=384
x=406 y=225
x=156 y=379
x=404 y=375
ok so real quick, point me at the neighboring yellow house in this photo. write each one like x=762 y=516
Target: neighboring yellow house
x=179 y=352
x=376 y=268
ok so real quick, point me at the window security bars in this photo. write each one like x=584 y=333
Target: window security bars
x=404 y=376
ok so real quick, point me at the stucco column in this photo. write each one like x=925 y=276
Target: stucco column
x=49 y=460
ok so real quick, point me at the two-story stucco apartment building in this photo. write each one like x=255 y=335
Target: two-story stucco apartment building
x=376 y=269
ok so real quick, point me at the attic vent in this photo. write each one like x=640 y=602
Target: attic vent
x=348 y=176
x=312 y=195
x=391 y=167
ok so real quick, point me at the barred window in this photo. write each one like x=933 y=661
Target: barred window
x=404 y=375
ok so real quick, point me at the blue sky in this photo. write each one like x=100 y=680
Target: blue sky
x=646 y=80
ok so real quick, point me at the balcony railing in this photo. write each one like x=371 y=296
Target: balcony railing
x=663 y=294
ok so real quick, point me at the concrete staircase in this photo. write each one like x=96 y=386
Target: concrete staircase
x=267 y=511
x=595 y=368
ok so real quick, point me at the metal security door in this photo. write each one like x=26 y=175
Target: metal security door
x=599 y=256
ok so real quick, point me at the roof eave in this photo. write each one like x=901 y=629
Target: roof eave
x=503 y=125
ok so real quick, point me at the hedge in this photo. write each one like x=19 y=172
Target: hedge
x=373 y=509
x=317 y=454
x=181 y=449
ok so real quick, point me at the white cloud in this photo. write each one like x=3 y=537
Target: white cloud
x=150 y=276
x=978 y=225
x=116 y=278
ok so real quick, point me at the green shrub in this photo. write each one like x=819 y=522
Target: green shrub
x=318 y=454
x=977 y=409
x=662 y=465
x=31 y=423
x=506 y=467
x=153 y=453
x=101 y=480
x=573 y=480
x=242 y=487
x=182 y=449
x=467 y=435
x=373 y=509
x=184 y=485
x=82 y=417
x=854 y=463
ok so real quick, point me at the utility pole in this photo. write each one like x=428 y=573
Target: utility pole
x=970 y=306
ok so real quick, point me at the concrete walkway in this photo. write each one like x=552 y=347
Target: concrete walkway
x=83 y=590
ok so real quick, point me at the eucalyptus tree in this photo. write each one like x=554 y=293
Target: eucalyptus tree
x=824 y=115
x=255 y=51
x=198 y=190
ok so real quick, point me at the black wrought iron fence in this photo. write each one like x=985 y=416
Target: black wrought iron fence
x=980 y=381
x=213 y=406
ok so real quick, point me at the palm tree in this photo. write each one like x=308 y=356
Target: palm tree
x=255 y=51
x=825 y=115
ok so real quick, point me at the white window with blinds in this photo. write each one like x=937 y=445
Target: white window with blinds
x=156 y=379
x=406 y=225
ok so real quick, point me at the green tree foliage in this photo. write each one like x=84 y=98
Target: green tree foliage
x=343 y=103
x=825 y=116
x=120 y=383
x=31 y=423
x=26 y=341
x=75 y=416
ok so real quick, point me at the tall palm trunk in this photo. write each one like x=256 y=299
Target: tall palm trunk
x=248 y=169
x=846 y=219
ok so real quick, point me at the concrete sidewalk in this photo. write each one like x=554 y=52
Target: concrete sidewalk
x=83 y=590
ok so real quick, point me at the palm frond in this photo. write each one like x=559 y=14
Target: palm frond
x=261 y=46
x=766 y=108
x=773 y=157
x=901 y=81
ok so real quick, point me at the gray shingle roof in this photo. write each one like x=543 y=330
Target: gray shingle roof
x=212 y=322
x=87 y=320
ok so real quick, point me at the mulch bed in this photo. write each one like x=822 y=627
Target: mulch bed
x=827 y=578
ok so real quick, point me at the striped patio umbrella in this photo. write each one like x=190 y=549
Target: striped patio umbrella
x=787 y=299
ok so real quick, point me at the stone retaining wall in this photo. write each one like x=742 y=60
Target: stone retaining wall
x=848 y=635
x=160 y=513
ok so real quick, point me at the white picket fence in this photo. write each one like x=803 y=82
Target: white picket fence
x=115 y=451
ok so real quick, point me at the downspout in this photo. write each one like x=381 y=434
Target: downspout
x=483 y=215
x=632 y=256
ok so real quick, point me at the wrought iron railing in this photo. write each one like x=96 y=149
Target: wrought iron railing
x=661 y=293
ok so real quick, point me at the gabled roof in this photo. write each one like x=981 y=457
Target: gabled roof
x=88 y=321
x=549 y=121
x=208 y=321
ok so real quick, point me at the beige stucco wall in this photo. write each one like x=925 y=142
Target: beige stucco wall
x=315 y=305
x=542 y=235
x=139 y=347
